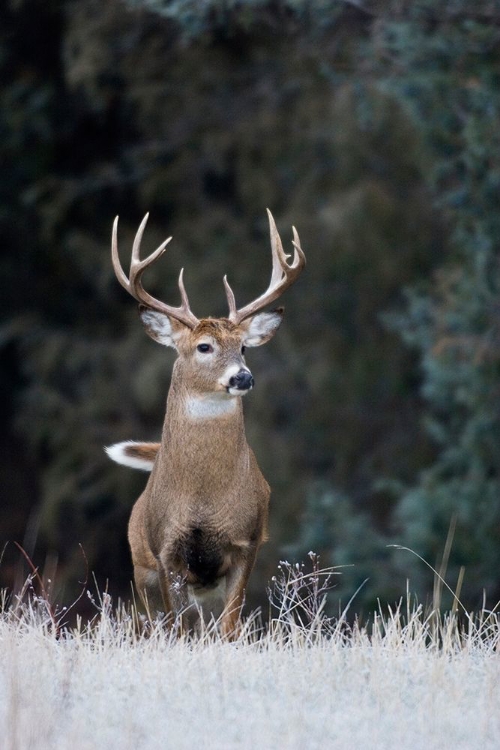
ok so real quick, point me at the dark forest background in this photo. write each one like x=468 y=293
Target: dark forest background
x=374 y=128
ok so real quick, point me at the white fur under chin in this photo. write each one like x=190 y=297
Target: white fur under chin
x=212 y=406
x=117 y=453
x=238 y=391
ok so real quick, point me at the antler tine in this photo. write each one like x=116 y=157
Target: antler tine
x=136 y=247
x=133 y=284
x=283 y=275
x=231 y=301
x=120 y=275
x=182 y=290
x=278 y=254
x=298 y=252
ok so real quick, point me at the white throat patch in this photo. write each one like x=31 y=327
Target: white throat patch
x=210 y=407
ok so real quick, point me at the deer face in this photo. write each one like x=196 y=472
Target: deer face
x=211 y=349
x=211 y=355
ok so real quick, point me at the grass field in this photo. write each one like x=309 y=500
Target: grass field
x=408 y=679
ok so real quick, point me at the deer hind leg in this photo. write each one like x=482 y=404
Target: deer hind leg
x=236 y=582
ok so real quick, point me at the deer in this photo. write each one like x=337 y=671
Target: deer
x=195 y=531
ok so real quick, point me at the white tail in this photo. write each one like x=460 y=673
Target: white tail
x=134 y=454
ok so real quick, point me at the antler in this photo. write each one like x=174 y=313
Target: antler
x=133 y=283
x=283 y=275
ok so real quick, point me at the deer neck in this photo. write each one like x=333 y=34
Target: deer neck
x=203 y=437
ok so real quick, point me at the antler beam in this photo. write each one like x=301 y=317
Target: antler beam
x=283 y=275
x=133 y=283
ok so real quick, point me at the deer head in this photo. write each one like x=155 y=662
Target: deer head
x=211 y=350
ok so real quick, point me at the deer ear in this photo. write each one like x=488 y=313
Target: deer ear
x=261 y=328
x=161 y=327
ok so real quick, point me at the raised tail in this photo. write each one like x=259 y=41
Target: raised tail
x=134 y=454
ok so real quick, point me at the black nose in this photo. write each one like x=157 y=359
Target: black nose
x=243 y=380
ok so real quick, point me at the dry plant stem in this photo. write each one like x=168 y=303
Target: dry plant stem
x=46 y=600
x=439 y=578
x=57 y=621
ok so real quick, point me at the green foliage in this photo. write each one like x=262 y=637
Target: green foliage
x=227 y=17
x=448 y=79
x=360 y=553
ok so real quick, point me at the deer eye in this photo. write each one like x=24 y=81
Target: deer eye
x=243 y=349
x=205 y=348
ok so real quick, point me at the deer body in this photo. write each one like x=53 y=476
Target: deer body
x=195 y=530
x=204 y=510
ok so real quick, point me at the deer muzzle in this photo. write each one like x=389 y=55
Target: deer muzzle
x=242 y=381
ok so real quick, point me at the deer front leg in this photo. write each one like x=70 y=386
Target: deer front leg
x=148 y=588
x=236 y=583
x=174 y=611
x=175 y=597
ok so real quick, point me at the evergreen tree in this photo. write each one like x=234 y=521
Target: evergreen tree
x=443 y=64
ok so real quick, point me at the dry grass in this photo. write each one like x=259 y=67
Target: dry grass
x=407 y=679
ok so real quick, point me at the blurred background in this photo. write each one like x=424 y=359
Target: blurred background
x=371 y=125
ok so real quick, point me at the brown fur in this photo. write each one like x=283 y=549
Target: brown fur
x=203 y=513
x=146 y=451
x=198 y=524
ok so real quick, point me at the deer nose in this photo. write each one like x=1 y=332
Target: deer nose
x=243 y=380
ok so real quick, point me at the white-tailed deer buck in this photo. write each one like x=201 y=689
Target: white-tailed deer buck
x=195 y=530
